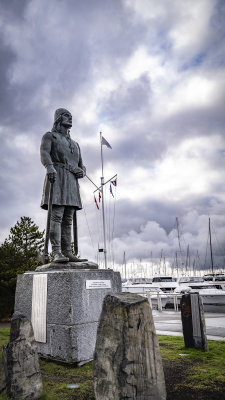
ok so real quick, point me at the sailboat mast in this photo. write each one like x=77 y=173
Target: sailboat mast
x=210 y=241
x=187 y=265
x=103 y=208
x=125 y=265
x=176 y=262
x=178 y=236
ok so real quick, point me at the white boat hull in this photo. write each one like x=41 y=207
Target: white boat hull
x=214 y=303
x=144 y=291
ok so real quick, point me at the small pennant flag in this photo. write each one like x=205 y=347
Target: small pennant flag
x=104 y=142
x=96 y=203
x=99 y=196
x=111 y=190
x=114 y=182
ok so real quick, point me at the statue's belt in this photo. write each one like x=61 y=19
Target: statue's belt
x=68 y=167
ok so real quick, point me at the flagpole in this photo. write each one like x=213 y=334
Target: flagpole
x=103 y=209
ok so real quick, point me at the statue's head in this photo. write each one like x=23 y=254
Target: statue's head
x=62 y=117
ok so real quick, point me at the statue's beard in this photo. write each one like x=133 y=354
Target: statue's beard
x=68 y=125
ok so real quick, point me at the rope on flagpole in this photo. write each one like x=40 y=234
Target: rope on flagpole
x=110 y=220
x=98 y=221
x=113 y=225
x=88 y=227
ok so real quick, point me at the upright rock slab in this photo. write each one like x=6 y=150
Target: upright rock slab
x=21 y=370
x=127 y=361
x=193 y=321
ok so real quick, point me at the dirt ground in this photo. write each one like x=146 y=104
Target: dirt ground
x=175 y=376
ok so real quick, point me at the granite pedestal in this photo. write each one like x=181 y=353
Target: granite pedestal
x=72 y=302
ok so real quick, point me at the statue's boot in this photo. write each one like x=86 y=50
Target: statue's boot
x=55 y=238
x=66 y=244
x=73 y=258
x=58 y=257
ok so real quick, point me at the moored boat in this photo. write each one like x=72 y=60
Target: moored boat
x=155 y=293
x=213 y=299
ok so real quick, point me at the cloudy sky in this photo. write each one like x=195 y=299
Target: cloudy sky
x=150 y=75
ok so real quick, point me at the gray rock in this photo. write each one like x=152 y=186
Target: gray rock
x=193 y=321
x=127 y=362
x=21 y=378
x=2 y=377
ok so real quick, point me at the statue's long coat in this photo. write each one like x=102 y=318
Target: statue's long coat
x=56 y=149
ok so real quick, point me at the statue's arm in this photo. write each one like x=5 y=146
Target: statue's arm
x=45 y=151
x=81 y=165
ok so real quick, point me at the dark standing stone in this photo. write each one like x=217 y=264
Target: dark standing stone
x=193 y=321
x=127 y=362
x=20 y=364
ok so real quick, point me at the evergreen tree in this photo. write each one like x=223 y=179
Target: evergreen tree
x=27 y=241
x=18 y=253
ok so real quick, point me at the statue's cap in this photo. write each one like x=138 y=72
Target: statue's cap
x=59 y=112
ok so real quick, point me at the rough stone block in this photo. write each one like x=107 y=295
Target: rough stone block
x=127 y=362
x=20 y=364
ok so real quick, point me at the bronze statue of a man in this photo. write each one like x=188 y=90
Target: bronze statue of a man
x=61 y=157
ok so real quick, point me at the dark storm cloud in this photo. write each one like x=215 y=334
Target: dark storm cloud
x=7 y=57
x=129 y=99
x=54 y=48
x=12 y=11
x=132 y=214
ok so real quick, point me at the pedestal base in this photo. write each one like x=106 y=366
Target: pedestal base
x=68 y=265
x=73 y=305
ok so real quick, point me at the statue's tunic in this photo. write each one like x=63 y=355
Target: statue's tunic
x=64 y=154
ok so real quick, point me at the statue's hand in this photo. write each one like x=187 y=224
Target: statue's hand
x=51 y=172
x=52 y=177
x=84 y=171
x=80 y=173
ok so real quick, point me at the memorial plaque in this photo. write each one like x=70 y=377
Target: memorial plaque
x=39 y=305
x=98 y=284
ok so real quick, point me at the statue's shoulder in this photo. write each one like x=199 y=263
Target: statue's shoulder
x=76 y=144
x=48 y=136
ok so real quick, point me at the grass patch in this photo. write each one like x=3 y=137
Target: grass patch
x=199 y=375
x=56 y=377
x=202 y=370
x=4 y=339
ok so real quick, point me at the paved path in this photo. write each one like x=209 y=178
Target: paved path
x=169 y=323
x=4 y=325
